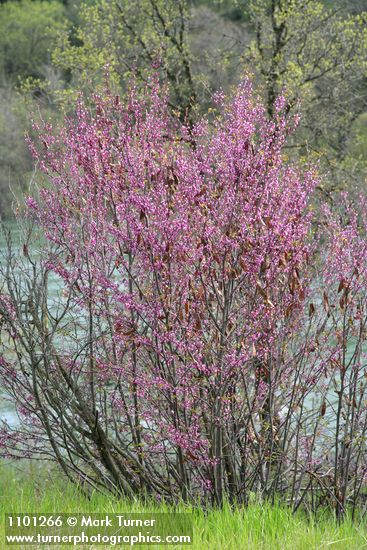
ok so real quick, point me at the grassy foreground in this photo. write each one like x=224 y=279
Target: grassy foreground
x=258 y=527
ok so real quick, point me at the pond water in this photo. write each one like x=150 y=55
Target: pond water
x=7 y=412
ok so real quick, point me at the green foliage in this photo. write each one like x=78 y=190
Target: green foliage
x=319 y=58
x=27 y=34
x=15 y=159
x=130 y=37
x=193 y=47
x=359 y=144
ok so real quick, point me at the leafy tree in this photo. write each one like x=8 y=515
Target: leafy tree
x=192 y=47
x=27 y=34
x=131 y=37
x=319 y=57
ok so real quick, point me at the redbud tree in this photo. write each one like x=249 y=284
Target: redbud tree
x=200 y=330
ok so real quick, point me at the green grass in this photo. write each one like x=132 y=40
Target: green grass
x=257 y=527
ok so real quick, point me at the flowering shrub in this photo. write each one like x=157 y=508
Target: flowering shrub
x=196 y=343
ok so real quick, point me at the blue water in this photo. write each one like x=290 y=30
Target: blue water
x=7 y=411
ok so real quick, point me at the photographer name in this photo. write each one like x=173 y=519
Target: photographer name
x=110 y=521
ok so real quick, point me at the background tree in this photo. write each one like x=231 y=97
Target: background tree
x=134 y=37
x=318 y=55
x=27 y=35
x=15 y=159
